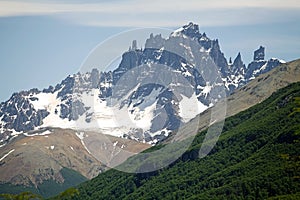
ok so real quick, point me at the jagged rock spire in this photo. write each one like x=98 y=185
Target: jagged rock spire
x=238 y=63
x=259 y=54
x=134 y=45
x=238 y=59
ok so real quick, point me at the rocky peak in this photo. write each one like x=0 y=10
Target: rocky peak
x=230 y=61
x=218 y=56
x=156 y=41
x=133 y=46
x=238 y=60
x=259 y=54
x=191 y=30
x=238 y=66
x=204 y=37
x=259 y=65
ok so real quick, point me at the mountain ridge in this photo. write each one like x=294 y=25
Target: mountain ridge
x=255 y=92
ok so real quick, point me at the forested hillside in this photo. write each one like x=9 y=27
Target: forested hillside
x=256 y=157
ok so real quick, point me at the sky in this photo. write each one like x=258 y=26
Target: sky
x=42 y=42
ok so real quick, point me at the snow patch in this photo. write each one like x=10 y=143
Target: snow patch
x=80 y=135
x=3 y=157
x=187 y=73
x=115 y=143
x=106 y=85
x=190 y=107
x=14 y=133
x=177 y=32
x=264 y=66
x=46 y=132
x=282 y=61
x=206 y=89
x=85 y=147
x=44 y=100
x=51 y=103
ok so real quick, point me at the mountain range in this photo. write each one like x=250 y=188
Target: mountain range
x=159 y=89
x=70 y=104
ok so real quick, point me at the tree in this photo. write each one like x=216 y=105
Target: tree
x=21 y=196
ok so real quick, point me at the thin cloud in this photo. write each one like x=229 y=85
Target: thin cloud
x=136 y=13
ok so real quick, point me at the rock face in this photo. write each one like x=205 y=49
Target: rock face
x=152 y=87
x=238 y=67
x=259 y=65
x=19 y=114
x=259 y=54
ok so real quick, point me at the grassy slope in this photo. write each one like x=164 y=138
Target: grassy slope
x=256 y=157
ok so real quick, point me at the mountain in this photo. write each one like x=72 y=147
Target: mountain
x=151 y=94
x=185 y=64
x=256 y=157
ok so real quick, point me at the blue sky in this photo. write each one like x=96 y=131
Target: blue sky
x=41 y=42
